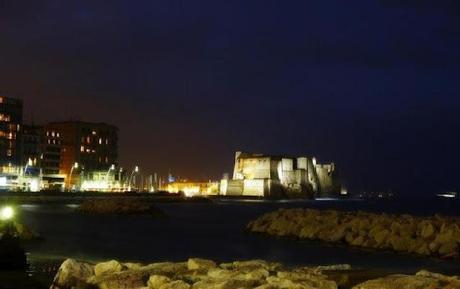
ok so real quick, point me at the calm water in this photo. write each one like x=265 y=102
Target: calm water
x=215 y=231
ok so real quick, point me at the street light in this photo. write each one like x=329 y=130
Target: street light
x=75 y=166
x=6 y=213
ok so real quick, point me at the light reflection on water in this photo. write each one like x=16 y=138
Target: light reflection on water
x=207 y=230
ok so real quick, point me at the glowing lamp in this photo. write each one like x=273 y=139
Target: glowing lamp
x=6 y=213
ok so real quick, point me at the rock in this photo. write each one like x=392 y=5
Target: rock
x=227 y=284
x=256 y=264
x=108 y=267
x=179 y=284
x=122 y=280
x=72 y=274
x=339 y=267
x=282 y=283
x=166 y=268
x=156 y=281
x=452 y=280
x=449 y=249
x=426 y=229
x=133 y=266
x=200 y=264
x=422 y=280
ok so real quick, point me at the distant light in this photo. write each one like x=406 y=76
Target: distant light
x=112 y=167
x=76 y=165
x=6 y=213
x=136 y=169
x=343 y=192
x=448 y=195
x=314 y=161
x=3 y=181
x=34 y=185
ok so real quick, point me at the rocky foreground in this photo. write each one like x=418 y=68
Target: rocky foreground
x=201 y=274
x=120 y=206
x=431 y=236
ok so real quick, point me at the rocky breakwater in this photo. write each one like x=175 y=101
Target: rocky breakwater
x=121 y=206
x=431 y=236
x=193 y=274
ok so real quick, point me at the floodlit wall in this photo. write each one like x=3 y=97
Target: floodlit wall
x=254 y=188
x=327 y=178
x=234 y=188
x=254 y=168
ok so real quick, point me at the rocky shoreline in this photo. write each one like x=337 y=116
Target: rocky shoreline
x=436 y=236
x=206 y=274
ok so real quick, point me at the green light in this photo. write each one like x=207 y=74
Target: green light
x=6 y=213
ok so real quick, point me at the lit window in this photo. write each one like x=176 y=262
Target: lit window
x=94 y=132
x=82 y=148
x=88 y=139
x=100 y=140
x=53 y=134
x=107 y=141
x=58 y=135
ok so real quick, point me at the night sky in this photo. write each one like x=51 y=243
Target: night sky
x=370 y=85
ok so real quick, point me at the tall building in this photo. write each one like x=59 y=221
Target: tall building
x=31 y=142
x=280 y=176
x=10 y=131
x=51 y=150
x=85 y=146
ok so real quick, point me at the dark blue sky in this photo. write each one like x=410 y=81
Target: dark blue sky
x=371 y=85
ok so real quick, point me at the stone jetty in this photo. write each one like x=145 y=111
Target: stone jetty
x=431 y=236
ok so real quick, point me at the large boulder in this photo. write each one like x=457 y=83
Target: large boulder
x=156 y=281
x=109 y=267
x=200 y=264
x=422 y=280
x=73 y=274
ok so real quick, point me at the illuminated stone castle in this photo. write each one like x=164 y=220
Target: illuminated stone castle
x=277 y=176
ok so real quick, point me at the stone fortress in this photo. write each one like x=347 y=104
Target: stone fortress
x=262 y=175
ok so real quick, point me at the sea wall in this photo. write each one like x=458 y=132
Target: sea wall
x=206 y=274
x=431 y=236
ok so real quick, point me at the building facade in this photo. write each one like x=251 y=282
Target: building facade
x=11 y=111
x=31 y=143
x=85 y=147
x=262 y=175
